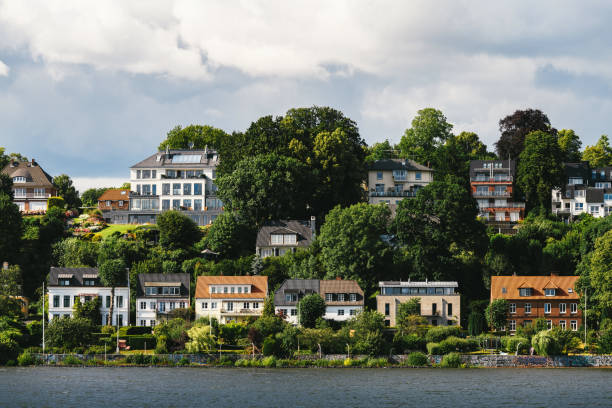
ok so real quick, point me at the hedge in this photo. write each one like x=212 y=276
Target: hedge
x=134 y=330
x=452 y=344
x=137 y=342
x=437 y=334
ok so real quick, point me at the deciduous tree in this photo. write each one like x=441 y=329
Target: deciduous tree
x=193 y=137
x=311 y=308
x=515 y=128
x=113 y=273
x=429 y=131
x=66 y=190
x=177 y=231
x=570 y=145
x=600 y=154
x=11 y=229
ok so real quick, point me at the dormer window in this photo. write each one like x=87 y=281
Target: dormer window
x=525 y=292
x=549 y=292
x=64 y=282
x=246 y=289
x=213 y=290
x=89 y=282
x=283 y=239
x=19 y=179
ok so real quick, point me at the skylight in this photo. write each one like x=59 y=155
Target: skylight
x=187 y=158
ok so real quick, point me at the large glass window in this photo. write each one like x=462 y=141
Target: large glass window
x=525 y=292
x=146 y=174
x=197 y=189
x=176 y=189
x=187 y=203
x=165 y=205
x=546 y=307
x=187 y=189
x=197 y=205
x=527 y=308
x=56 y=301
x=176 y=204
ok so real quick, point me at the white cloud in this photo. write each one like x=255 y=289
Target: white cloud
x=84 y=183
x=4 y=69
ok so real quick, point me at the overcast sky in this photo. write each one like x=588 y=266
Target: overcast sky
x=89 y=88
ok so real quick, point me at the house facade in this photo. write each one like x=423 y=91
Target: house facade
x=69 y=285
x=182 y=180
x=553 y=298
x=32 y=186
x=159 y=294
x=392 y=180
x=343 y=298
x=230 y=298
x=587 y=190
x=276 y=238
x=492 y=185
x=440 y=302
x=114 y=199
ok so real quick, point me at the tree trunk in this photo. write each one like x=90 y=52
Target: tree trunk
x=112 y=306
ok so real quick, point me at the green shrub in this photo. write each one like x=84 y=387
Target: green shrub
x=11 y=363
x=410 y=342
x=545 y=344
x=270 y=347
x=335 y=363
x=321 y=363
x=377 y=362
x=451 y=360
x=510 y=343
x=604 y=341
x=26 y=359
x=71 y=360
x=225 y=361
x=9 y=348
x=416 y=359
x=434 y=349
x=456 y=344
x=184 y=361
x=161 y=345
x=95 y=350
x=269 y=362
x=437 y=334
x=108 y=330
x=56 y=202
x=242 y=363
x=137 y=342
x=137 y=330
x=140 y=359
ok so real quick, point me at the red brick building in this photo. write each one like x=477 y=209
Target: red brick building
x=114 y=199
x=553 y=298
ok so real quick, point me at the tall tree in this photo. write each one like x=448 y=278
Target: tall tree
x=11 y=281
x=267 y=187
x=90 y=196
x=11 y=229
x=231 y=236
x=540 y=169
x=429 y=131
x=113 y=273
x=454 y=156
x=599 y=155
x=600 y=274
x=311 y=308
x=514 y=128
x=193 y=136
x=177 y=231
x=66 y=190
x=379 y=151
x=570 y=145
x=6 y=185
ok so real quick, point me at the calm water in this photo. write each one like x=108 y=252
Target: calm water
x=227 y=387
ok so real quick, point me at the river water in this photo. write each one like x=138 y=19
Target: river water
x=254 y=387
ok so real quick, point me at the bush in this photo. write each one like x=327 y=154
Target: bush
x=545 y=344
x=26 y=359
x=410 y=342
x=510 y=343
x=377 y=362
x=452 y=344
x=137 y=342
x=434 y=349
x=270 y=347
x=161 y=347
x=139 y=359
x=184 y=361
x=604 y=341
x=56 y=202
x=9 y=348
x=437 y=334
x=95 y=350
x=137 y=330
x=71 y=360
x=269 y=362
x=451 y=360
x=416 y=359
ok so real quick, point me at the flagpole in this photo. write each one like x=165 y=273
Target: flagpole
x=43 y=318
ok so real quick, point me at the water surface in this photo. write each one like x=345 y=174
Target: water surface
x=255 y=387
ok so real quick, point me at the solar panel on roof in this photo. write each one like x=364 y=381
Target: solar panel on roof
x=187 y=158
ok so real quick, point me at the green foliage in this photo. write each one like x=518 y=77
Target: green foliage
x=26 y=359
x=429 y=131
x=476 y=323
x=268 y=325
x=604 y=341
x=10 y=307
x=138 y=342
x=56 y=202
x=439 y=333
x=570 y=145
x=73 y=252
x=11 y=228
x=416 y=359
x=515 y=128
x=496 y=314
x=66 y=190
x=544 y=344
x=599 y=155
x=193 y=137
x=89 y=310
x=598 y=275
x=231 y=332
x=408 y=342
x=71 y=360
x=268 y=307
x=367 y=335
x=113 y=273
x=11 y=281
x=269 y=362
x=90 y=196
x=177 y=230
x=201 y=339
x=451 y=360
x=451 y=344
x=270 y=347
x=9 y=348
x=69 y=333
x=230 y=235
x=171 y=335
x=567 y=340
x=311 y=307
x=511 y=343
x=161 y=344
x=379 y=151
x=408 y=317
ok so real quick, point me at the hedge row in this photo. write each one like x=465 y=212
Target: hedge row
x=452 y=344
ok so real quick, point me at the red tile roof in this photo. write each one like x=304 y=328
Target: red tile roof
x=507 y=287
x=259 y=287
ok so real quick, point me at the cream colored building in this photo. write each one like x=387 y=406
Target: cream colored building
x=391 y=180
x=230 y=298
x=440 y=302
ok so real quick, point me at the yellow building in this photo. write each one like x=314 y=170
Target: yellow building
x=391 y=180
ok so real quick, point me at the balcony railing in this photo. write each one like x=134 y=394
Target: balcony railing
x=165 y=176
x=240 y=311
x=492 y=194
x=31 y=195
x=488 y=169
x=392 y=194
x=507 y=205
x=499 y=179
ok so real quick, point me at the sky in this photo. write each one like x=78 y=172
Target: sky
x=89 y=88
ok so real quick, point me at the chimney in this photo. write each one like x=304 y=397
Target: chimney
x=167 y=150
x=554 y=273
x=5 y=265
x=313 y=225
x=338 y=278
x=33 y=162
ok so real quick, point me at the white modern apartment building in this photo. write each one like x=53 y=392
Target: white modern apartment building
x=587 y=191
x=392 y=180
x=180 y=180
x=69 y=285
x=158 y=295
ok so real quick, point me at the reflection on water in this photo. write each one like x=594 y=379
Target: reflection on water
x=229 y=387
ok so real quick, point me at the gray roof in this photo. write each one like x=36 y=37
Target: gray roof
x=581 y=169
x=76 y=276
x=183 y=278
x=594 y=195
x=166 y=159
x=301 y=228
x=426 y=284
x=398 y=164
x=301 y=286
x=34 y=174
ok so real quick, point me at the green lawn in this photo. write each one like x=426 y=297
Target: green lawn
x=115 y=227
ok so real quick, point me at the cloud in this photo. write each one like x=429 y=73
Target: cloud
x=4 y=69
x=84 y=183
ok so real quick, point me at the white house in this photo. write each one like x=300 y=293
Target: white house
x=159 y=294
x=69 y=285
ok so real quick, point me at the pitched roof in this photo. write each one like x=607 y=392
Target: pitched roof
x=76 y=275
x=302 y=286
x=301 y=228
x=180 y=278
x=580 y=169
x=507 y=287
x=594 y=195
x=259 y=287
x=169 y=159
x=34 y=174
x=115 y=194
x=398 y=164
x=416 y=284
x=341 y=286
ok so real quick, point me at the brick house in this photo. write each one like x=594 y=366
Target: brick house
x=552 y=297
x=114 y=199
x=32 y=186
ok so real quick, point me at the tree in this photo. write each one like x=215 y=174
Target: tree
x=201 y=339
x=177 y=230
x=193 y=137
x=11 y=281
x=351 y=244
x=112 y=273
x=570 y=145
x=379 y=151
x=230 y=235
x=6 y=185
x=429 y=131
x=126 y=186
x=268 y=308
x=90 y=196
x=515 y=128
x=540 y=169
x=67 y=333
x=11 y=229
x=496 y=314
x=454 y=156
x=599 y=155
x=311 y=307
x=74 y=252
x=545 y=344
x=90 y=310
x=600 y=274
x=409 y=317
x=266 y=187
x=66 y=190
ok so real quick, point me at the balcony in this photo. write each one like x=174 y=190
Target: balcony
x=492 y=180
x=31 y=195
x=488 y=169
x=492 y=194
x=507 y=205
x=392 y=193
x=242 y=312
x=164 y=176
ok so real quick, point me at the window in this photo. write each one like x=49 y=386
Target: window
x=176 y=189
x=246 y=305
x=574 y=325
x=525 y=292
x=340 y=312
x=213 y=289
x=255 y=305
x=146 y=174
x=562 y=324
x=56 y=301
x=353 y=297
x=546 y=307
x=108 y=301
x=64 y=282
x=607 y=197
x=562 y=308
x=276 y=239
x=353 y=312
x=246 y=289
x=434 y=308
x=138 y=173
x=213 y=305
x=291 y=297
x=20 y=192
x=417 y=175
x=165 y=205
x=549 y=324
x=594 y=209
x=387 y=309
x=162 y=306
x=152 y=305
x=176 y=204
x=204 y=305
x=143 y=322
x=293 y=312
x=573 y=307
x=512 y=307
x=512 y=324
x=340 y=297
x=19 y=179
x=232 y=289
x=197 y=189
x=143 y=306
x=283 y=312
x=549 y=292
x=197 y=205
x=399 y=175
x=379 y=175
x=449 y=309
x=504 y=290
x=120 y=319
x=527 y=308
x=230 y=306
x=187 y=203
x=186 y=189
x=329 y=297
x=152 y=323
x=578 y=206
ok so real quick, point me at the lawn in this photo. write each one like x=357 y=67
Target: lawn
x=122 y=228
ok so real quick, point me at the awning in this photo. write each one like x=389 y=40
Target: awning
x=65 y=275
